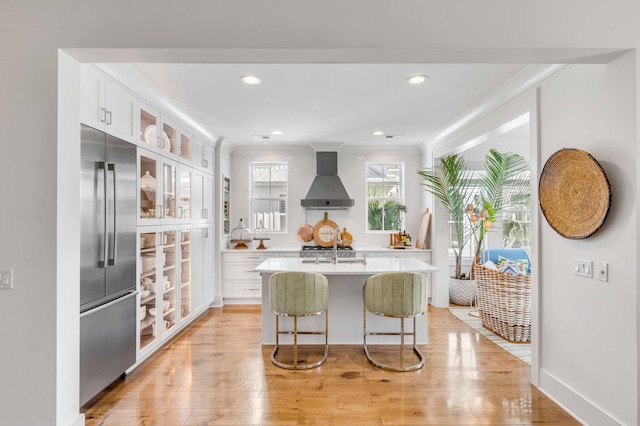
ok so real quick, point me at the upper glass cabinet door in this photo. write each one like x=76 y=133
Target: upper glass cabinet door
x=185 y=146
x=169 y=138
x=169 y=186
x=184 y=203
x=149 y=203
x=148 y=126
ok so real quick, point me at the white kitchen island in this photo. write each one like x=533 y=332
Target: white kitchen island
x=346 y=279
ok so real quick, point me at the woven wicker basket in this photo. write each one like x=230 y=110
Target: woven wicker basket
x=504 y=303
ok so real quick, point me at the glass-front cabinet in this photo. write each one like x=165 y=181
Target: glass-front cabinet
x=158 y=183
x=185 y=146
x=169 y=279
x=150 y=206
x=185 y=193
x=147 y=267
x=169 y=139
x=149 y=120
x=169 y=187
x=159 y=266
x=185 y=273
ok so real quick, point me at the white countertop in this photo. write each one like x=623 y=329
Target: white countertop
x=345 y=266
x=369 y=249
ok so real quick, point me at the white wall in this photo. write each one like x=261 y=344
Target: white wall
x=588 y=328
x=371 y=31
x=351 y=169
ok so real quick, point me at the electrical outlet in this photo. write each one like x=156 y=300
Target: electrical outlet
x=602 y=271
x=583 y=268
x=6 y=279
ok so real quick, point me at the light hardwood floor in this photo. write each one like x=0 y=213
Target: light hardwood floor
x=217 y=373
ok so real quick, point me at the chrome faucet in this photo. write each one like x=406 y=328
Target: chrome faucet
x=336 y=240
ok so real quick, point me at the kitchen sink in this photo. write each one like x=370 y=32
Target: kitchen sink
x=325 y=260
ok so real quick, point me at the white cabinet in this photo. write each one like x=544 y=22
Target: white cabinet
x=240 y=283
x=185 y=145
x=158 y=264
x=185 y=193
x=203 y=197
x=185 y=278
x=166 y=284
x=157 y=133
x=203 y=243
x=202 y=156
x=165 y=189
x=105 y=105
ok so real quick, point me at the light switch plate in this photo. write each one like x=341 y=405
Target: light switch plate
x=6 y=279
x=583 y=268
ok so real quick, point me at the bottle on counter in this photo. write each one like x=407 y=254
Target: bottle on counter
x=408 y=241
x=403 y=238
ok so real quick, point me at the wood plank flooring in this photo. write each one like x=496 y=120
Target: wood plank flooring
x=217 y=373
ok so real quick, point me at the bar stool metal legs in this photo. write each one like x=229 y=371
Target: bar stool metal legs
x=396 y=295
x=299 y=294
x=295 y=332
x=402 y=333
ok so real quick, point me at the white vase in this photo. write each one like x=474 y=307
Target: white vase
x=462 y=292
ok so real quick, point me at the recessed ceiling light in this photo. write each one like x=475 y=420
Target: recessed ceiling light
x=417 y=79
x=276 y=132
x=378 y=133
x=250 y=79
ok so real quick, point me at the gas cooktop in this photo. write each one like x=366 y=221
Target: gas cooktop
x=307 y=247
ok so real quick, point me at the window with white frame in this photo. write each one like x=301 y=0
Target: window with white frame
x=515 y=221
x=385 y=196
x=268 y=195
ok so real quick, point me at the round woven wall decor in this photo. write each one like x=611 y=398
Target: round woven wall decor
x=574 y=192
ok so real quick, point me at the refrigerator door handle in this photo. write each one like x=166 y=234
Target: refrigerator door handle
x=113 y=238
x=102 y=257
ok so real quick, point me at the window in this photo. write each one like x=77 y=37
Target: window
x=268 y=195
x=515 y=221
x=385 y=208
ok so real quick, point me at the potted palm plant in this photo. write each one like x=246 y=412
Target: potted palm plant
x=473 y=205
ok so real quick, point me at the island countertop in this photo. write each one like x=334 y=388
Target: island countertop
x=345 y=317
x=345 y=266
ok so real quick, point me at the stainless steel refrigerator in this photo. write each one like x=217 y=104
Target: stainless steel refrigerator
x=108 y=260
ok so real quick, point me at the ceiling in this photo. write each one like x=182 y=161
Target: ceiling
x=342 y=103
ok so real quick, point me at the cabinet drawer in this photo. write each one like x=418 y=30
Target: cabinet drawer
x=255 y=258
x=240 y=271
x=242 y=289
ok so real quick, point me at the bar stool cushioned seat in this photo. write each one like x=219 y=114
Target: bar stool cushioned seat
x=298 y=294
x=397 y=295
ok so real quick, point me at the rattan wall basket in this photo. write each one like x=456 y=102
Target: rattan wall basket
x=574 y=193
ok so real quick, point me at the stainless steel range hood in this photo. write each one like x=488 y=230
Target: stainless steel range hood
x=327 y=191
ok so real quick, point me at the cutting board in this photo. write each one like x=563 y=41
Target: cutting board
x=324 y=231
x=425 y=219
x=346 y=238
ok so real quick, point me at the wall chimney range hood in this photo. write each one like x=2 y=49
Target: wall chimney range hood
x=327 y=191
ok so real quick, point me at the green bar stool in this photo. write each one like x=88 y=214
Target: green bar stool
x=299 y=294
x=396 y=295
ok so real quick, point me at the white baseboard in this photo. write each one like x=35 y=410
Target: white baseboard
x=573 y=403
x=79 y=421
